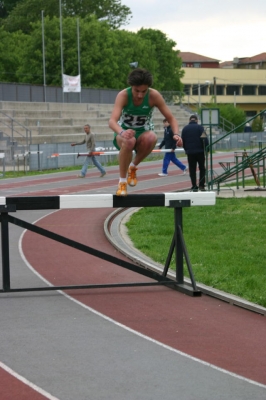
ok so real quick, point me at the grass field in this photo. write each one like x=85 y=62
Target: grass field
x=225 y=242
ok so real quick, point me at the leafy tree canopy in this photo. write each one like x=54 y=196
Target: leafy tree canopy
x=105 y=54
x=168 y=74
x=6 y=6
x=20 y=13
x=233 y=114
x=229 y=112
x=12 y=46
x=257 y=124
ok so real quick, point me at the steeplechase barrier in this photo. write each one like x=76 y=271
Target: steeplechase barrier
x=111 y=153
x=176 y=200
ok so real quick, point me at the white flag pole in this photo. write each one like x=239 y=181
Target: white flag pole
x=79 y=58
x=43 y=55
x=61 y=46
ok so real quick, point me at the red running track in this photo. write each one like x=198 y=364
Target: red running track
x=206 y=328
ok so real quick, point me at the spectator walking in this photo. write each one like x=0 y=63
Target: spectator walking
x=194 y=144
x=170 y=144
x=90 y=143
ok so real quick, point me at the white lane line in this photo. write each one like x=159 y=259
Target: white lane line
x=26 y=382
x=132 y=330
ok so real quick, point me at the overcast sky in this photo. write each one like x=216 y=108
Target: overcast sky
x=220 y=29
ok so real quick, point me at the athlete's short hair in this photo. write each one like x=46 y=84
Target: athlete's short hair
x=140 y=76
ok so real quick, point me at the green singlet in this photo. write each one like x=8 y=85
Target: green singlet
x=138 y=118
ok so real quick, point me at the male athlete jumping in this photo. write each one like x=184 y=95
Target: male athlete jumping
x=131 y=120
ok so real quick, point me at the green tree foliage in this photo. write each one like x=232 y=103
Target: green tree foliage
x=26 y=11
x=11 y=49
x=230 y=113
x=6 y=6
x=105 y=54
x=257 y=124
x=233 y=114
x=111 y=11
x=167 y=72
x=121 y=48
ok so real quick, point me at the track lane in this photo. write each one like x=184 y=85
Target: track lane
x=143 y=309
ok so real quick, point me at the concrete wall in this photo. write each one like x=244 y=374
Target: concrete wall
x=60 y=124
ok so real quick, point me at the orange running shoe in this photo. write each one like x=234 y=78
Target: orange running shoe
x=122 y=189
x=132 y=176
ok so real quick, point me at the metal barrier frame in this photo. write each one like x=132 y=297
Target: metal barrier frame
x=13 y=204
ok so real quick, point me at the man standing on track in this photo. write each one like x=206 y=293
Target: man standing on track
x=131 y=120
x=90 y=143
x=194 y=144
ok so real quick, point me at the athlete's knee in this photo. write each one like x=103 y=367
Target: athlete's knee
x=128 y=144
x=147 y=139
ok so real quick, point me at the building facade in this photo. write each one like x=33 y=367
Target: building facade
x=243 y=87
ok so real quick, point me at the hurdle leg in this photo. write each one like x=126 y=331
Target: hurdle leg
x=5 y=247
x=169 y=257
x=178 y=243
x=193 y=282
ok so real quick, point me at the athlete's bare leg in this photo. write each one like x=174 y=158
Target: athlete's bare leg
x=144 y=146
x=125 y=153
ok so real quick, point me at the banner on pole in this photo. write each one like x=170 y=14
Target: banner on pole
x=71 y=84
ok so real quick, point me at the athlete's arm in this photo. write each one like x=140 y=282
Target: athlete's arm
x=120 y=102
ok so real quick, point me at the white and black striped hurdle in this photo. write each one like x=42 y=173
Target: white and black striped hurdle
x=107 y=200
x=176 y=200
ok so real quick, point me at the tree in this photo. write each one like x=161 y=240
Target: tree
x=12 y=46
x=26 y=11
x=105 y=54
x=6 y=6
x=111 y=11
x=257 y=124
x=168 y=73
x=103 y=64
x=230 y=113
x=233 y=114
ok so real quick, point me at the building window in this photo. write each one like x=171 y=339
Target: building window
x=197 y=65
x=204 y=90
x=262 y=90
x=186 y=89
x=250 y=113
x=232 y=90
x=195 y=89
x=219 y=90
x=249 y=90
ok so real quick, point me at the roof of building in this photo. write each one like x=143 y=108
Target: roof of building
x=193 y=57
x=248 y=60
x=227 y=64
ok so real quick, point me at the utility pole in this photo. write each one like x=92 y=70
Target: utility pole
x=43 y=55
x=199 y=95
x=214 y=89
